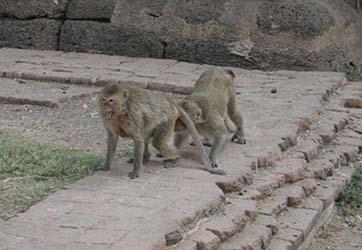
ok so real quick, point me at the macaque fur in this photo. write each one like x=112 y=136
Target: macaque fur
x=145 y=117
x=211 y=102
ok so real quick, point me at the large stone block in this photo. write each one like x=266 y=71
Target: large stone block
x=24 y=34
x=25 y=9
x=89 y=36
x=91 y=9
x=287 y=34
x=303 y=19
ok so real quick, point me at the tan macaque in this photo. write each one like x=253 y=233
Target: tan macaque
x=211 y=103
x=146 y=117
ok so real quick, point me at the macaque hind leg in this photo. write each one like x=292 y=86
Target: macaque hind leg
x=217 y=148
x=220 y=136
x=146 y=155
x=162 y=142
x=235 y=115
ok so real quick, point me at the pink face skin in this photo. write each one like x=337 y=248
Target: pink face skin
x=108 y=107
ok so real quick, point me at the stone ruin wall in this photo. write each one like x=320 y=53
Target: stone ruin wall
x=253 y=34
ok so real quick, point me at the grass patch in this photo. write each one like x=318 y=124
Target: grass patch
x=351 y=196
x=353 y=72
x=29 y=172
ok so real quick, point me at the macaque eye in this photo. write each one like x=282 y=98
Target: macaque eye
x=110 y=100
x=103 y=99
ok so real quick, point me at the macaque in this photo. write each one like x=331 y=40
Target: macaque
x=147 y=118
x=211 y=103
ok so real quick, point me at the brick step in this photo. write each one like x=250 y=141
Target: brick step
x=210 y=232
x=252 y=237
x=292 y=210
x=295 y=225
x=332 y=158
x=320 y=135
x=288 y=226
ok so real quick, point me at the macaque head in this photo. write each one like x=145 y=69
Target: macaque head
x=113 y=100
x=193 y=110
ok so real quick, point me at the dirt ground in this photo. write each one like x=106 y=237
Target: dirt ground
x=344 y=232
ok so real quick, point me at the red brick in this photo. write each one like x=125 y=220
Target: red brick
x=277 y=244
x=267 y=184
x=253 y=238
x=274 y=205
x=300 y=219
x=294 y=194
x=268 y=221
x=312 y=203
x=235 y=217
x=308 y=185
x=329 y=190
x=295 y=237
x=292 y=169
x=310 y=149
x=322 y=168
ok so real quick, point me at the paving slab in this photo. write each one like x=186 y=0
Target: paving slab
x=22 y=91
x=110 y=210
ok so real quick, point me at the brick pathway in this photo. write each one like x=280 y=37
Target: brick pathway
x=281 y=165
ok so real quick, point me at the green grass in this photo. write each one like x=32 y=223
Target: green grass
x=351 y=196
x=353 y=73
x=29 y=172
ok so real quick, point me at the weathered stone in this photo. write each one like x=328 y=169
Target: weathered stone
x=308 y=20
x=28 y=9
x=88 y=36
x=36 y=34
x=85 y=9
x=216 y=32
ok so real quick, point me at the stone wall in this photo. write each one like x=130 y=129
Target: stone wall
x=261 y=34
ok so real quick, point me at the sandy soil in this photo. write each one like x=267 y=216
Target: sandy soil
x=344 y=232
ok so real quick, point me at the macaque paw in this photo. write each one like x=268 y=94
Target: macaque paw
x=237 y=138
x=214 y=164
x=170 y=163
x=133 y=174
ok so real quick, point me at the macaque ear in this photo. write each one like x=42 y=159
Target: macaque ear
x=125 y=93
x=230 y=73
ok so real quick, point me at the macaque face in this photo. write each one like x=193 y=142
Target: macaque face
x=113 y=101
